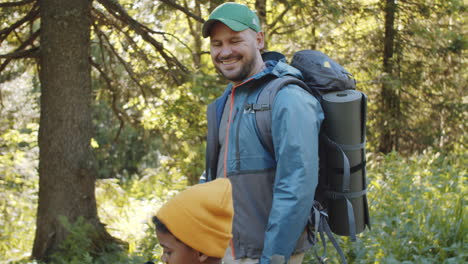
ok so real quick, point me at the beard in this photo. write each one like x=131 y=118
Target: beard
x=243 y=72
x=240 y=75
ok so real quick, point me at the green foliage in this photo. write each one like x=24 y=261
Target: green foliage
x=425 y=78
x=77 y=248
x=182 y=119
x=121 y=149
x=419 y=202
x=418 y=211
x=18 y=168
x=18 y=199
x=150 y=126
x=417 y=208
x=126 y=212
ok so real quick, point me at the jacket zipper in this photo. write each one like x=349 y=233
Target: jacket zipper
x=238 y=131
x=233 y=252
x=226 y=140
x=237 y=135
x=230 y=120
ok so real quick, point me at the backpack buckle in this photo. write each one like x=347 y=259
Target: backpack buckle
x=252 y=108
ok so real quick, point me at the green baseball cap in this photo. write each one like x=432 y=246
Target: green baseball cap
x=237 y=17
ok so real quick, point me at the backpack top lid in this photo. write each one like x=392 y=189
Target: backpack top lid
x=273 y=55
x=321 y=72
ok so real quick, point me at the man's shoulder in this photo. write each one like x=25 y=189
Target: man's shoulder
x=276 y=69
x=281 y=69
x=293 y=96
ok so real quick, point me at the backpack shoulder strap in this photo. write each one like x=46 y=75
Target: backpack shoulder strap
x=264 y=105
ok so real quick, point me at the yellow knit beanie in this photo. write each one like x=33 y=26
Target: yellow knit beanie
x=201 y=217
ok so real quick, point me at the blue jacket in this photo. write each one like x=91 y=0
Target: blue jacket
x=272 y=197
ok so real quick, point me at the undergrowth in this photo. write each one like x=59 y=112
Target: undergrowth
x=417 y=206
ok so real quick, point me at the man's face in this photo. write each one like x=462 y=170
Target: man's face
x=176 y=252
x=236 y=55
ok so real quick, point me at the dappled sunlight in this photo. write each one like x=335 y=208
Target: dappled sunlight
x=150 y=81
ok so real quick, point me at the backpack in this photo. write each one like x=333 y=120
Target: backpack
x=341 y=204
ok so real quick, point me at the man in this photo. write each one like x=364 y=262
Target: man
x=195 y=226
x=273 y=193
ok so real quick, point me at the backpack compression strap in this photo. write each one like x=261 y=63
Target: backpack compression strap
x=318 y=223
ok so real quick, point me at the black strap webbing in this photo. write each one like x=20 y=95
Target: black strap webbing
x=320 y=223
x=212 y=143
x=344 y=195
x=346 y=186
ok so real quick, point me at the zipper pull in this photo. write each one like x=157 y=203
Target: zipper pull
x=235 y=114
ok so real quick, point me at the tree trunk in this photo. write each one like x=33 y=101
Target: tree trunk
x=260 y=7
x=314 y=24
x=66 y=173
x=390 y=102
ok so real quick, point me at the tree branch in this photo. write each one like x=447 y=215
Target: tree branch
x=173 y=36
x=21 y=48
x=113 y=7
x=30 y=17
x=29 y=53
x=14 y=4
x=280 y=17
x=128 y=68
x=117 y=25
x=121 y=115
x=183 y=9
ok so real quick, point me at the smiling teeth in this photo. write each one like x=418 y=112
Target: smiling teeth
x=229 y=61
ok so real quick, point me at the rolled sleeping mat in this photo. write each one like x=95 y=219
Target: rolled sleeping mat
x=345 y=113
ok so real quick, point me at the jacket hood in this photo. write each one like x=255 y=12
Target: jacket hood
x=278 y=69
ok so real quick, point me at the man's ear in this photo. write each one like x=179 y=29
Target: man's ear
x=260 y=37
x=202 y=257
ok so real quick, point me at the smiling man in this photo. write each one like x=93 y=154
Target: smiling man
x=273 y=191
x=235 y=54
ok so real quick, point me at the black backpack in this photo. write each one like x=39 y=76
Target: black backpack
x=341 y=204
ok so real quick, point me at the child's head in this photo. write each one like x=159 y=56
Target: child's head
x=195 y=226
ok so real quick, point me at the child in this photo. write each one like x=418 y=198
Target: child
x=195 y=226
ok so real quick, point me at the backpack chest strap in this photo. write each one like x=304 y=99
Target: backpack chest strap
x=257 y=107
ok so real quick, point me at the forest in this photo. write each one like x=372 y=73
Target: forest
x=102 y=119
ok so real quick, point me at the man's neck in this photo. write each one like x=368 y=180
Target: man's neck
x=258 y=70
